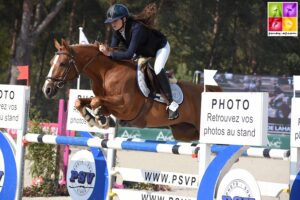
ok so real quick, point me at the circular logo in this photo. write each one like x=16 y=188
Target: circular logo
x=238 y=183
x=238 y=186
x=81 y=175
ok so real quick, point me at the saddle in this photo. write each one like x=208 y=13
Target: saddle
x=149 y=85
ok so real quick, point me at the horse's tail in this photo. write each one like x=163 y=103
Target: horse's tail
x=147 y=16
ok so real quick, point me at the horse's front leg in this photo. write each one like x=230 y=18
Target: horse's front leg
x=101 y=113
x=81 y=105
x=99 y=104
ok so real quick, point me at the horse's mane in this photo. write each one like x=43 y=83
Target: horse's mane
x=95 y=46
x=85 y=45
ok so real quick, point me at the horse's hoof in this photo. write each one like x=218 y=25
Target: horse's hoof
x=102 y=122
x=99 y=125
x=102 y=119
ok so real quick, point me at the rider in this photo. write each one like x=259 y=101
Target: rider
x=140 y=40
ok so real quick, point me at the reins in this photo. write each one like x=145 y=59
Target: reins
x=71 y=63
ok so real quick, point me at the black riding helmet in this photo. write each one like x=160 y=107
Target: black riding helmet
x=115 y=12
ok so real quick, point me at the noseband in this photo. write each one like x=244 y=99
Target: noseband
x=71 y=64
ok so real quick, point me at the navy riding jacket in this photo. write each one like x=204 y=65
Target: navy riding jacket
x=140 y=40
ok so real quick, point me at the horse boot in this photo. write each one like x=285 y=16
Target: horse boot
x=166 y=89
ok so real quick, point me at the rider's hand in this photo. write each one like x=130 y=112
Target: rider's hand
x=104 y=49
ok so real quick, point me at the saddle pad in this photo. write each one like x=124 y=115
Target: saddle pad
x=176 y=90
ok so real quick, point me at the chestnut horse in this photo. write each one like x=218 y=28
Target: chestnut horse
x=116 y=92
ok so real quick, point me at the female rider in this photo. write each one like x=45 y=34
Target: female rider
x=140 y=41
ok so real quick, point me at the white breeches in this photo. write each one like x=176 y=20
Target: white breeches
x=161 y=58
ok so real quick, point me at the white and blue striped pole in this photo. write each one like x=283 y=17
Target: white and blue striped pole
x=150 y=146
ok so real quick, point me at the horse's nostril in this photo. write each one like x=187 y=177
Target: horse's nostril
x=48 y=90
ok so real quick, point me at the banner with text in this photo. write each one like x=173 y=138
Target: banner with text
x=14 y=102
x=295 y=123
x=234 y=118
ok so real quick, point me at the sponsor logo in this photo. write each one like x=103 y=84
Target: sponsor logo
x=81 y=175
x=283 y=19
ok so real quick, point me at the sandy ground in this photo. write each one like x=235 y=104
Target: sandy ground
x=270 y=170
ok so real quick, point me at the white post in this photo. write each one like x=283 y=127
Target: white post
x=205 y=148
x=294 y=164
x=20 y=153
x=20 y=150
x=205 y=159
x=111 y=161
x=78 y=82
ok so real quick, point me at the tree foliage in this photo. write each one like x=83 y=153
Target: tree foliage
x=230 y=36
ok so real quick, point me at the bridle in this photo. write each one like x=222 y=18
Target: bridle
x=60 y=81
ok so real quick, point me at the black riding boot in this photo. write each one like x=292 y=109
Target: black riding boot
x=165 y=86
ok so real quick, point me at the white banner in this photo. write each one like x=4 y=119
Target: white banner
x=159 y=177
x=295 y=123
x=234 y=118
x=14 y=100
x=126 y=194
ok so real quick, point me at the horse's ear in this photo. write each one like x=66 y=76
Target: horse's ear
x=56 y=44
x=97 y=43
x=65 y=44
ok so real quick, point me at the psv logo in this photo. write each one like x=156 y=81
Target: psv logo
x=81 y=175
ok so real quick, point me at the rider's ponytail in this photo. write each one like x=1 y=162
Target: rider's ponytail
x=147 y=16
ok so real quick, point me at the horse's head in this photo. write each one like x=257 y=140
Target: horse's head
x=63 y=68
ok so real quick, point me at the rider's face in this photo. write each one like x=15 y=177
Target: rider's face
x=117 y=24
